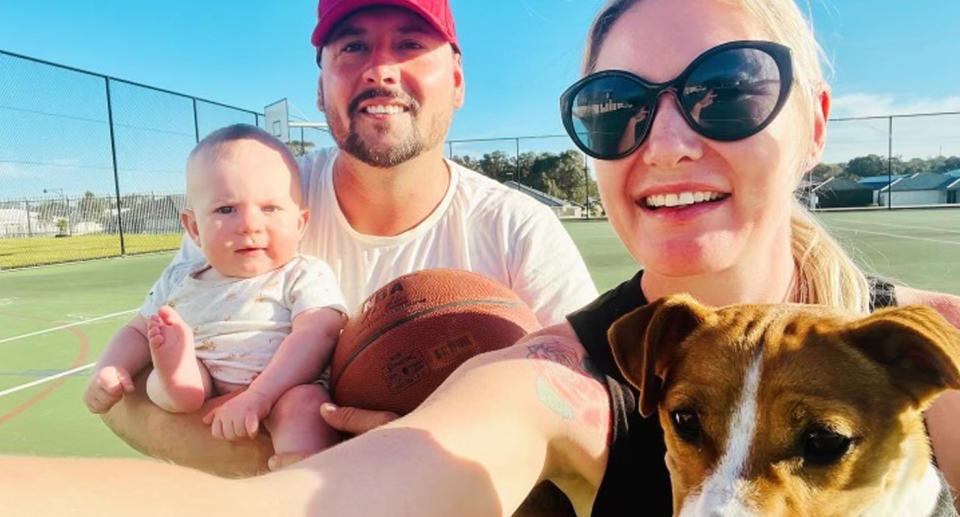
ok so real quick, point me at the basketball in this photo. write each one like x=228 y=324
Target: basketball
x=412 y=333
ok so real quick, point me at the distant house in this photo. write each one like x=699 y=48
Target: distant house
x=920 y=189
x=149 y=213
x=804 y=192
x=878 y=183
x=953 y=190
x=17 y=222
x=561 y=207
x=839 y=192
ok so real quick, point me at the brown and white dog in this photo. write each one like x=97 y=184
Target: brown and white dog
x=793 y=410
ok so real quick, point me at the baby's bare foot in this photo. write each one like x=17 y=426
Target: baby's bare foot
x=178 y=382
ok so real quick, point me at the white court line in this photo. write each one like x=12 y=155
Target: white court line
x=896 y=235
x=909 y=227
x=61 y=327
x=45 y=379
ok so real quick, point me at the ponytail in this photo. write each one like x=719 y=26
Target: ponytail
x=826 y=275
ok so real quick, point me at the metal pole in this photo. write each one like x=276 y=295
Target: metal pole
x=890 y=163
x=66 y=201
x=196 y=125
x=303 y=145
x=518 y=160
x=116 y=176
x=586 y=187
x=26 y=203
x=450 y=148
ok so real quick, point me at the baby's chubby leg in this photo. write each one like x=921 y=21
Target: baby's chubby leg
x=178 y=382
x=296 y=427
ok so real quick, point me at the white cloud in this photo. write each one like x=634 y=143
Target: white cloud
x=869 y=104
x=922 y=137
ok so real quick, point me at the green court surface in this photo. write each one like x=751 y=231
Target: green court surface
x=919 y=248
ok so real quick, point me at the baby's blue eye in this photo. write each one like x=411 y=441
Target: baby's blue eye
x=224 y=210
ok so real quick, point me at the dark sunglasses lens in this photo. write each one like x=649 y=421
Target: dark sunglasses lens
x=610 y=115
x=733 y=93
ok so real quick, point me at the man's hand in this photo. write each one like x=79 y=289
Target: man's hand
x=106 y=388
x=239 y=417
x=354 y=420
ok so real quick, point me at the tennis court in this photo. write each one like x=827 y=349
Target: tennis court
x=56 y=320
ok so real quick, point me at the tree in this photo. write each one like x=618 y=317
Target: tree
x=467 y=161
x=826 y=170
x=951 y=164
x=863 y=166
x=300 y=147
x=497 y=166
x=92 y=208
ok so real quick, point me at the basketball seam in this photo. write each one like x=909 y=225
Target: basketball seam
x=401 y=321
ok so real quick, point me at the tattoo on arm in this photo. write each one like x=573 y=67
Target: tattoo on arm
x=575 y=392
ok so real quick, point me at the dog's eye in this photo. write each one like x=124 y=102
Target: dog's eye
x=687 y=425
x=823 y=447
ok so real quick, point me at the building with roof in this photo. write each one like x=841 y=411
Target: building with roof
x=924 y=188
x=953 y=190
x=561 y=207
x=878 y=183
x=19 y=222
x=839 y=192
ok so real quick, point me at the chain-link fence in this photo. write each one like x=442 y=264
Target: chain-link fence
x=546 y=167
x=92 y=166
x=893 y=161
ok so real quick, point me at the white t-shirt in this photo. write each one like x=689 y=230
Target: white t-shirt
x=480 y=226
x=238 y=323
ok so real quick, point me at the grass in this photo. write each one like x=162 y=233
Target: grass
x=916 y=247
x=30 y=251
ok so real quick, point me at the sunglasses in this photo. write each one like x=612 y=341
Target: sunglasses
x=729 y=92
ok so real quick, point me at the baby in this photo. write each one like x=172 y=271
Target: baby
x=256 y=317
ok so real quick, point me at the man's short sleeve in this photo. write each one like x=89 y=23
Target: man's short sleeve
x=311 y=285
x=547 y=268
x=188 y=259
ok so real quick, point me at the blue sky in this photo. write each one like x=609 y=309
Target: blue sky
x=888 y=56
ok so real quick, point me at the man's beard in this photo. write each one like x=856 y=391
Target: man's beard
x=390 y=156
x=409 y=148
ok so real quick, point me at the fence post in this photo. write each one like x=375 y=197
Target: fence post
x=66 y=201
x=196 y=124
x=450 y=147
x=116 y=176
x=890 y=163
x=586 y=187
x=517 y=179
x=26 y=203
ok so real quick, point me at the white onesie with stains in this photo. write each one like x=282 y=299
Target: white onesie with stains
x=238 y=323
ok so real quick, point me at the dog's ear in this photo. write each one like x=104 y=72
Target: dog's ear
x=642 y=342
x=919 y=349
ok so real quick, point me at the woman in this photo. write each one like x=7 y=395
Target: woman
x=706 y=206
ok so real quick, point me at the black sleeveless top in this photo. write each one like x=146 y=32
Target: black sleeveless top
x=635 y=467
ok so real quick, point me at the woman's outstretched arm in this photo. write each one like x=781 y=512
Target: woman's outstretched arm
x=497 y=426
x=943 y=415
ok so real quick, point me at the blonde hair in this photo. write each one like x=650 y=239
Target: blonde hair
x=825 y=273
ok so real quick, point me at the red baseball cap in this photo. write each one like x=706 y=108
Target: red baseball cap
x=436 y=12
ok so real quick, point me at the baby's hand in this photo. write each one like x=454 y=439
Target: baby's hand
x=106 y=388
x=239 y=417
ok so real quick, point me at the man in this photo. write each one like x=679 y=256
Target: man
x=385 y=203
